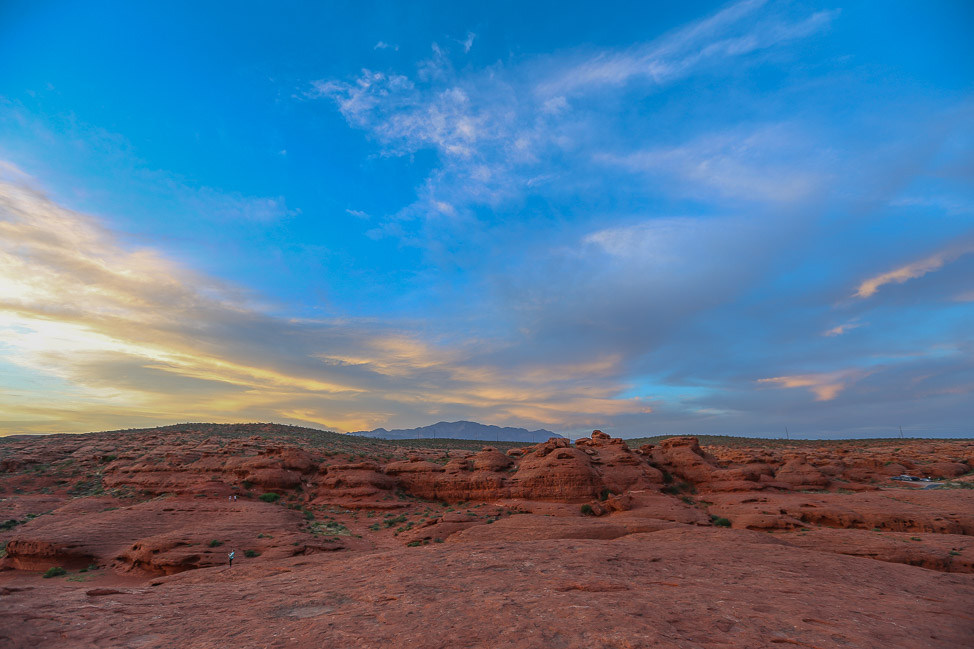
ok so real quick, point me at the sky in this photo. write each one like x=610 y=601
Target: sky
x=649 y=218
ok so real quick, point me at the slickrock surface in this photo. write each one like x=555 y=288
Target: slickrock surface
x=343 y=541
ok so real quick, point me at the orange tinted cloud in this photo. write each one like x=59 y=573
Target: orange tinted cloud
x=905 y=273
x=101 y=336
x=842 y=328
x=825 y=386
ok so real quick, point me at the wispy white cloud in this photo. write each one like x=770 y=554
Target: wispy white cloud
x=499 y=129
x=772 y=163
x=728 y=34
x=949 y=205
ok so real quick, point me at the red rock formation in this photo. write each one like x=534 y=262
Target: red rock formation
x=75 y=500
x=164 y=536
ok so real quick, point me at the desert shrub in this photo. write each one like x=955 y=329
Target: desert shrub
x=389 y=522
x=720 y=521
x=56 y=571
x=250 y=554
x=678 y=488
x=270 y=497
x=413 y=544
x=667 y=477
x=215 y=543
x=586 y=509
x=328 y=528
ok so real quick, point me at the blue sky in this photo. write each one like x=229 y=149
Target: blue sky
x=701 y=218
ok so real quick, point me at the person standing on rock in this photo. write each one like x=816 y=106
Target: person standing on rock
x=231 y=555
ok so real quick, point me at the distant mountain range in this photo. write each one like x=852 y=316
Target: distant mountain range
x=462 y=430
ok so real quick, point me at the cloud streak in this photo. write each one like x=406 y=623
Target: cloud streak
x=127 y=331
x=728 y=34
x=913 y=270
x=502 y=132
x=825 y=386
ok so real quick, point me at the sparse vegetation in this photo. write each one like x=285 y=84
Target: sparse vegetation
x=586 y=509
x=720 y=521
x=215 y=543
x=329 y=528
x=270 y=497
x=678 y=488
x=251 y=554
x=56 y=571
x=395 y=520
x=90 y=487
x=79 y=577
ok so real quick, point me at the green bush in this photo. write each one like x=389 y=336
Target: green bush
x=678 y=488
x=720 y=521
x=250 y=554
x=215 y=543
x=413 y=544
x=56 y=571
x=270 y=497
x=587 y=509
x=389 y=522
